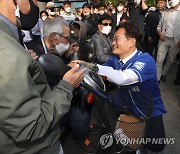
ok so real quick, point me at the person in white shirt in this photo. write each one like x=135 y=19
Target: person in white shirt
x=169 y=43
x=118 y=15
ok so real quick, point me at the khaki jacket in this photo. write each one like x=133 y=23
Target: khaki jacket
x=29 y=111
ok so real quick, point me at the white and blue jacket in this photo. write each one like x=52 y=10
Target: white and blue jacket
x=138 y=96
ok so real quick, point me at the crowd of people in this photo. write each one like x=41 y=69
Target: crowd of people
x=132 y=45
x=147 y=18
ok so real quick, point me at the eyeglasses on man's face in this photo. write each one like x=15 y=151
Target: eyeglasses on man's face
x=115 y=38
x=67 y=38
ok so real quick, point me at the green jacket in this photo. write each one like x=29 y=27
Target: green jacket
x=29 y=111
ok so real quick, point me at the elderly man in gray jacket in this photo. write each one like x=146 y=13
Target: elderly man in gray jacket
x=169 y=43
x=29 y=110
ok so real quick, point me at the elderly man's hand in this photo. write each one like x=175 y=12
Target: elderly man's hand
x=74 y=47
x=75 y=62
x=86 y=64
x=162 y=37
x=33 y=54
x=74 y=77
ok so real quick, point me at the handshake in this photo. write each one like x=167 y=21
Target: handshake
x=86 y=64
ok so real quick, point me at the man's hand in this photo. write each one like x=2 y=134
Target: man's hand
x=33 y=54
x=87 y=64
x=74 y=47
x=161 y=36
x=144 y=5
x=74 y=62
x=73 y=77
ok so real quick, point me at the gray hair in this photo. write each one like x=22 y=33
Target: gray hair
x=55 y=25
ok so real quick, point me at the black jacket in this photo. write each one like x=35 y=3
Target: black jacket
x=152 y=20
x=92 y=20
x=114 y=17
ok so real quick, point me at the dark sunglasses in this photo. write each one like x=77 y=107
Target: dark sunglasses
x=106 y=24
x=52 y=9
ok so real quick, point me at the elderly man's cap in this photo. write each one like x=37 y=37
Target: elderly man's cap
x=50 y=5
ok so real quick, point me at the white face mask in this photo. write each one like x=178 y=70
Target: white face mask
x=120 y=8
x=44 y=18
x=87 y=14
x=101 y=12
x=61 y=48
x=137 y=2
x=68 y=9
x=52 y=13
x=61 y=12
x=113 y=12
x=173 y=3
x=106 y=30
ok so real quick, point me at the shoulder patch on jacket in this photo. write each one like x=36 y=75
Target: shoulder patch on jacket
x=139 y=65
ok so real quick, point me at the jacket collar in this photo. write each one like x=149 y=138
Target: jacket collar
x=8 y=27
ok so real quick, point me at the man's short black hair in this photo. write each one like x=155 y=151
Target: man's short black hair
x=66 y=2
x=160 y=0
x=61 y=7
x=132 y=31
x=121 y=2
x=101 y=5
x=104 y=17
x=124 y=17
x=86 y=5
x=45 y=12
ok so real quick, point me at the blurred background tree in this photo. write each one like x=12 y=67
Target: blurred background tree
x=115 y=2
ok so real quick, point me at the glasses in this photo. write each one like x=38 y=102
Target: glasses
x=66 y=37
x=118 y=37
x=106 y=24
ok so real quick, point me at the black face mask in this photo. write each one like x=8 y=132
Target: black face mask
x=28 y=21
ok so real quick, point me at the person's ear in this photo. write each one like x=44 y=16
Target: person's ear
x=100 y=26
x=132 y=42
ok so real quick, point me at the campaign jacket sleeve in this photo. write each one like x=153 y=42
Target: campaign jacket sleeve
x=28 y=108
x=144 y=67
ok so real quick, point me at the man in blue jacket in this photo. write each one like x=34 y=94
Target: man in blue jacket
x=130 y=67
